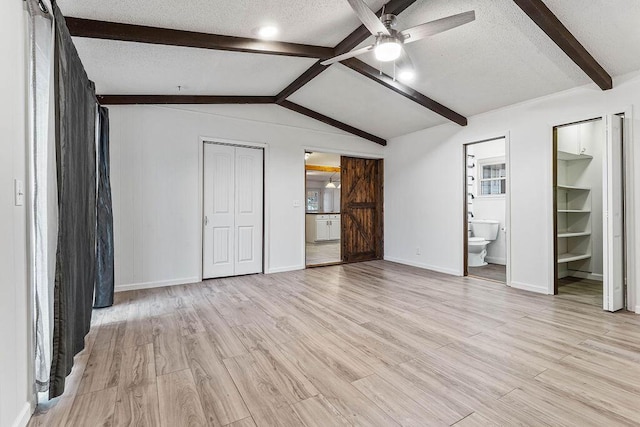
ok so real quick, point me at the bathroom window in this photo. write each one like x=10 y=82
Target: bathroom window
x=493 y=177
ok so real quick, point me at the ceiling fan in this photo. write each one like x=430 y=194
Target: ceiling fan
x=389 y=42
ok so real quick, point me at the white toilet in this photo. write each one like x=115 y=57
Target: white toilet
x=485 y=231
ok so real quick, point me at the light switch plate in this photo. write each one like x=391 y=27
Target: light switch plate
x=19 y=192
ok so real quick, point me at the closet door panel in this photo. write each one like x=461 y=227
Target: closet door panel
x=219 y=202
x=249 y=207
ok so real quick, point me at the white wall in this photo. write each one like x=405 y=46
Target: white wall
x=154 y=173
x=14 y=315
x=490 y=207
x=423 y=183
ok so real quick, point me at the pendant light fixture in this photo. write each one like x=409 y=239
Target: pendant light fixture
x=330 y=184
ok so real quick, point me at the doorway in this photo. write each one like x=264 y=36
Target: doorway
x=588 y=183
x=233 y=223
x=486 y=189
x=322 y=209
x=344 y=209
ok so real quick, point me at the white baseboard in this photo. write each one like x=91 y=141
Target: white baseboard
x=443 y=270
x=495 y=260
x=637 y=309
x=285 y=269
x=529 y=287
x=160 y=284
x=23 y=417
x=585 y=275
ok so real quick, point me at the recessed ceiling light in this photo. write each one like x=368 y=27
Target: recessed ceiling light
x=267 y=31
x=406 y=75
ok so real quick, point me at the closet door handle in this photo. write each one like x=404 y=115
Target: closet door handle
x=206 y=220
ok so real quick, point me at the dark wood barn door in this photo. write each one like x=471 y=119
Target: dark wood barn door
x=361 y=209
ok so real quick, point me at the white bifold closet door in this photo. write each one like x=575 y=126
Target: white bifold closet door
x=233 y=205
x=613 y=227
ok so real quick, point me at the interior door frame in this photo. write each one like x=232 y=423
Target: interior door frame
x=507 y=201
x=303 y=174
x=265 y=196
x=629 y=197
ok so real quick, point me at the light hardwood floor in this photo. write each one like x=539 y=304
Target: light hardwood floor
x=375 y=344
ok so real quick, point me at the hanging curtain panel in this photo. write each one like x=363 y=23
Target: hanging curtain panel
x=104 y=248
x=76 y=167
x=42 y=184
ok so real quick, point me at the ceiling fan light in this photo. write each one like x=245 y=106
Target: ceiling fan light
x=387 y=50
x=267 y=32
x=406 y=75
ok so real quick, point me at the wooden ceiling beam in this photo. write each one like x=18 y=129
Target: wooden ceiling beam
x=542 y=16
x=359 y=35
x=79 y=27
x=331 y=122
x=404 y=90
x=182 y=99
x=322 y=168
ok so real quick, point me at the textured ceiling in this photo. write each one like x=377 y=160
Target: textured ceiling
x=319 y=22
x=135 y=68
x=358 y=101
x=500 y=59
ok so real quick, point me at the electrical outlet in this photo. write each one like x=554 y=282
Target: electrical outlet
x=418 y=251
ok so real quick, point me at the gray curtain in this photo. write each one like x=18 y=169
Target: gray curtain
x=104 y=248
x=76 y=167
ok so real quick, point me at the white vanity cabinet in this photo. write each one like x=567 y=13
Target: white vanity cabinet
x=322 y=227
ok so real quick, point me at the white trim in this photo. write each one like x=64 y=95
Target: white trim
x=496 y=260
x=159 y=284
x=285 y=269
x=23 y=417
x=266 y=196
x=531 y=288
x=443 y=270
x=637 y=310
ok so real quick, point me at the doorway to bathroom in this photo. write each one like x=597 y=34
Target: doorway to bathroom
x=486 y=201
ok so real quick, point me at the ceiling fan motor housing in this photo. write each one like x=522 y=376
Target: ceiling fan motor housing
x=389 y=20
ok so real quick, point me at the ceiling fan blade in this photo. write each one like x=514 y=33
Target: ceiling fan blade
x=347 y=55
x=438 y=26
x=368 y=18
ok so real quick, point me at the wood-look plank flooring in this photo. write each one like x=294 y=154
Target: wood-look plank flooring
x=490 y=271
x=584 y=291
x=376 y=344
x=323 y=253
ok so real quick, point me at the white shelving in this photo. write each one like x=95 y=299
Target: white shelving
x=567 y=234
x=573 y=212
x=569 y=257
x=563 y=155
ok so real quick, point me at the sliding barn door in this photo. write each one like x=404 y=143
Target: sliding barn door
x=233 y=192
x=361 y=209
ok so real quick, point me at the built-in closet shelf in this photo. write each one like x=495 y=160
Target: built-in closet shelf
x=563 y=155
x=563 y=235
x=572 y=188
x=574 y=210
x=568 y=257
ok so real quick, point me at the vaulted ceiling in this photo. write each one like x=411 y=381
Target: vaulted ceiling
x=501 y=58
